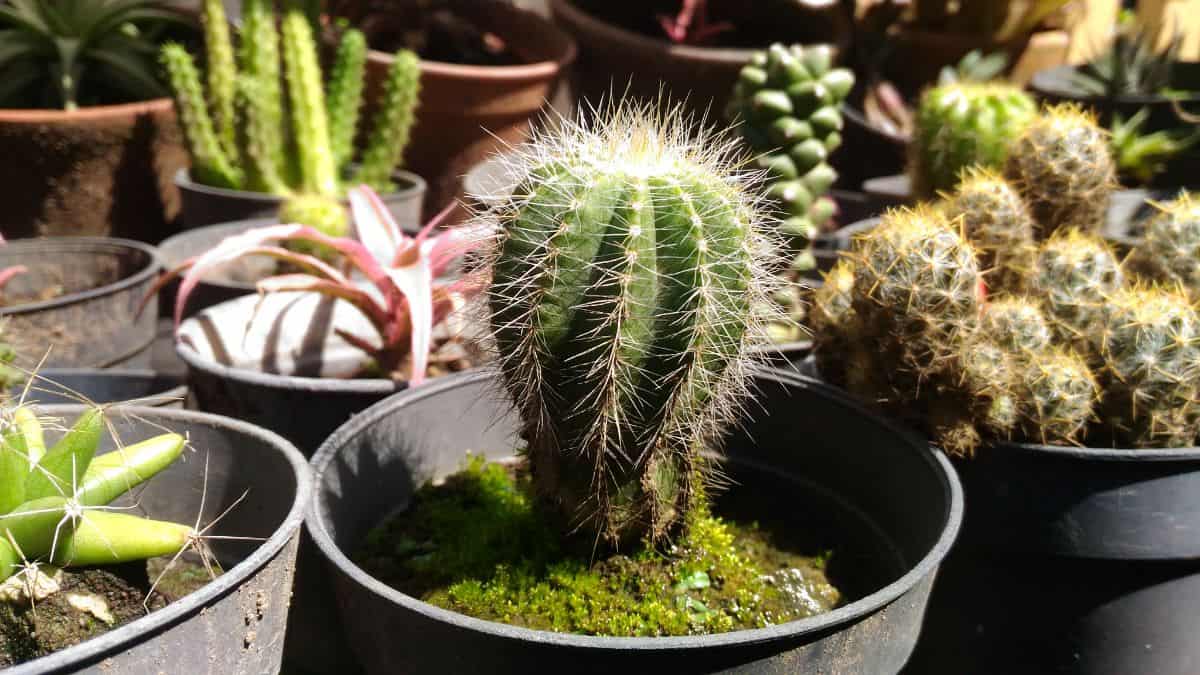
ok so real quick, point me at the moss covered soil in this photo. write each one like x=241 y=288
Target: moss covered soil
x=476 y=544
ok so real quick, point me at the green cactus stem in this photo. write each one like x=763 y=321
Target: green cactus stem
x=345 y=94
x=221 y=73
x=391 y=126
x=310 y=127
x=210 y=164
x=625 y=290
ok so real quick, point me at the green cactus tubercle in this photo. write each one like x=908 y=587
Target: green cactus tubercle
x=626 y=285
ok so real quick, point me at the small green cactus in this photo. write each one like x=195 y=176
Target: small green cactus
x=1151 y=351
x=1058 y=396
x=964 y=124
x=1074 y=275
x=249 y=142
x=996 y=221
x=1064 y=170
x=1169 y=251
x=788 y=99
x=626 y=284
x=1017 y=325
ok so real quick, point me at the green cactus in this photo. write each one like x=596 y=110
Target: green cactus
x=1074 y=275
x=996 y=221
x=1170 y=247
x=1064 y=170
x=964 y=124
x=788 y=99
x=221 y=73
x=625 y=286
x=1017 y=325
x=1151 y=351
x=51 y=499
x=310 y=127
x=345 y=94
x=210 y=164
x=392 y=124
x=1058 y=395
x=258 y=58
x=265 y=169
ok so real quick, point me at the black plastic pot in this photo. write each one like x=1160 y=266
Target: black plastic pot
x=234 y=280
x=205 y=205
x=65 y=385
x=234 y=624
x=897 y=504
x=1072 y=560
x=92 y=324
x=304 y=410
x=866 y=151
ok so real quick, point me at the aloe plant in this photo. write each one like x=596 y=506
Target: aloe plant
x=69 y=53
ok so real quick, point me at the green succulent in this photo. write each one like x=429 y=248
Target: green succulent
x=1133 y=66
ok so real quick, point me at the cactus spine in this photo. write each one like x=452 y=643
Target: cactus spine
x=345 y=94
x=996 y=221
x=1170 y=248
x=624 y=292
x=960 y=125
x=1058 y=396
x=258 y=58
x=1075 y=274
x=392 y=124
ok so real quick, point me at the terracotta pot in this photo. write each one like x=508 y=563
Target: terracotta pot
x=615 y=59
x=468 y=112
x=99 y=171
x=919 y=55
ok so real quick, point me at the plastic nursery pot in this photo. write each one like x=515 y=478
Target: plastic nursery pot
x=235 y=623
x=231 y=280
x=90 y=322
x=207 y=205
x=469 y=111
x=67 y=385
x=98 y=171
x=896 y=502
x=1072 y=560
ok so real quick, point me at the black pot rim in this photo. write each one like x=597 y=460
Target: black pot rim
x=1088 y=454
x=179 y=610
x=316 y=527
x=1039 y=84
x=77 y=243
x=376 y=386
x=179 y=390
x=183 y=181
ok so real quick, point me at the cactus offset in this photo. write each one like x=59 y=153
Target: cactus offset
x=788 y=101
x=345 y=94
x=1017 y=325
x=1151 y=352
x=392 y=124
x=210 y=164
x=1074 y=275
x=996 y=221
x=1064 y=170
x=1170 y=247
x=1058 y=395
x=960 y=125
x=625 y=283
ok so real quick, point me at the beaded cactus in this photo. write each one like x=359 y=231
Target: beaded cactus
x=1151 y=352
x=1074 y=275
x=1170 y=247
x=997 y=222
x=249 y=142
x=964 y=124
x=788 y=99
x=1064 y=170
x=626 y=283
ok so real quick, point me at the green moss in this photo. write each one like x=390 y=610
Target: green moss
x=477 y=544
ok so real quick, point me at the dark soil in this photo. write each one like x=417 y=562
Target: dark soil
x=438 y=33
x=477 y=544
x=32 y=630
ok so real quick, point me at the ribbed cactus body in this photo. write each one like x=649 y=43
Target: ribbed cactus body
x=310 y=126
x=221 y=73
x=996 y=221
x=1074 y=275
x=1170 y=247
x=345 y=94
x=960 y=125
x=1151 y=352
x=1058 y=395
x=1064 y=170
x=256 y=129
x=210 y=164
x=391 y=126
x=787 y=99
x=258 y=58
x=623 y=290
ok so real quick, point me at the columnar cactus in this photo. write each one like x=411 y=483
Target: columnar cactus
x=787 y=99
x=1074 y=275
x=1170 y=247
x=626 y=283
x=248 y=142
x=1064 y=170
x=964 y=124
x=1151 y=351
x=996 y=221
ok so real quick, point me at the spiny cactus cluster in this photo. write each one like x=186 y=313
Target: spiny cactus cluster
x=51 y=499
x=627 y=281
x=238 y=133
x=964 y=124
x=1169 y=251
x=995 y=219
x=1074 y=276
x=787 y=100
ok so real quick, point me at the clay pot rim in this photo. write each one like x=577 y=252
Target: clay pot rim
x=538 y=70
x=92 y=112
x=733 y=56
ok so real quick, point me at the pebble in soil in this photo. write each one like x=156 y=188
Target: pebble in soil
x=475 y=544
x=73 y=605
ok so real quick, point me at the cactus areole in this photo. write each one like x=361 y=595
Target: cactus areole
x=626 y=281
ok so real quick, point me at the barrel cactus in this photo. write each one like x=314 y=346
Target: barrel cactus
x=1151 y=351
x=1170 y=247
x=627 y=281
x=997 y=222
x=1064 y=170
x=788 y=99
x=964 y=124
x=1074 y=275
